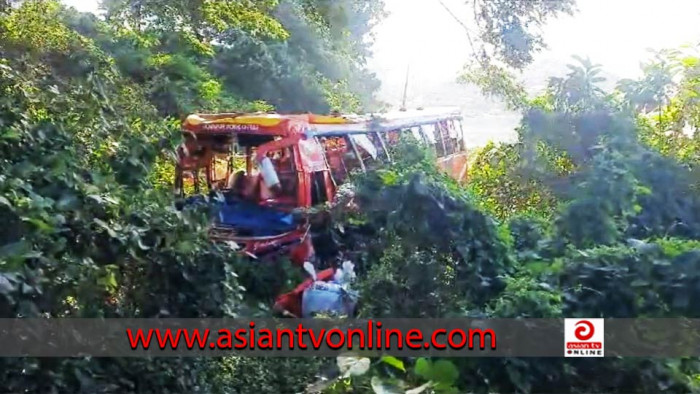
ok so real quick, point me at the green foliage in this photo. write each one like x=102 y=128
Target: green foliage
x=385 y=376
x=495 y=81
x=646 y=282
x=527 y=297
x=502 y=189
x=508 y=29
x=640 y=280
x=311 y=71
x=399 y=275
x=442 y=373
x=340 y=98
x=436 y=234
x=666 y=98
x=576 y=253
x=229 y=56
x=508 y=38
x=582 y=150
x=246 y=375
x=605 y=200
x=579 y=90
x=205 y=19
x=528 y=231
x=550 y=226
x=673 y=247
x=85 y=137
x=89 y=238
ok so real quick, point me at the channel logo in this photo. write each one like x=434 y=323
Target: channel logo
x=584 y=338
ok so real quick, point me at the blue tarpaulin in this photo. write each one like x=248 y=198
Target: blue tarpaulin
x=261 y=221
x=248 y=218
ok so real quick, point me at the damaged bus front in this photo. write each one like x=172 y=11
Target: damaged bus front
x=259 y=169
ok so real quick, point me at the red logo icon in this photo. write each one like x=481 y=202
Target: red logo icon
x=584 y=337
x=584 y=330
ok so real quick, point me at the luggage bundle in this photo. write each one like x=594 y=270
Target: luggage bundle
x=327 y=293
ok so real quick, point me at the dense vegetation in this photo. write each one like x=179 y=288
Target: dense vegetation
x=594 y=212
x=89 y=111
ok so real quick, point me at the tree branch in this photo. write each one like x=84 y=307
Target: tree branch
x=466 y=29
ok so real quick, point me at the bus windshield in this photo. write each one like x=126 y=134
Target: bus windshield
x=229 y=166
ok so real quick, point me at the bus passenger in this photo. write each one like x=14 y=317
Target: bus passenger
x=236 y=183
x=251 y=187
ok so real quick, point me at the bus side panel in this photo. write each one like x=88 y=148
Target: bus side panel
x=455 y=165
x=304 y=189
x=330 y=188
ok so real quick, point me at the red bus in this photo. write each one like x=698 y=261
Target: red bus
x=268 y=166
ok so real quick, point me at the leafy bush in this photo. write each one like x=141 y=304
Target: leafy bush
x=503 y=188
x=88 y=237
x=440 y=234
x=84 y=138
x=528 y=231
x=594 y=211
x=267 y=375
x=577 y=195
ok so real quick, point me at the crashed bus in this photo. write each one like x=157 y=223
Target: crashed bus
x=268 y=166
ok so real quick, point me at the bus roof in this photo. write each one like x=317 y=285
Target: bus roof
x=387 y=122
x=315 y=125
x=261 y=123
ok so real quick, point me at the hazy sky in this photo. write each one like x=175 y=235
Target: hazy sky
x=614 y=33
x=83 y=5
x=420 y=33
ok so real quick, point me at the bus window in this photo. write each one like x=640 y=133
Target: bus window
x=432 y=138
x=460 y=133
x=415 y=131
x=353 y=158
x=282 y=161
x=220 y=171
x=336 y=148
x=318 y=188
x=454 y=136
x=287 y=173
x=447 y=138
x=380 y=142
x=444 y=140
x=368 y=151
x=365 y=144
x=393 y=137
